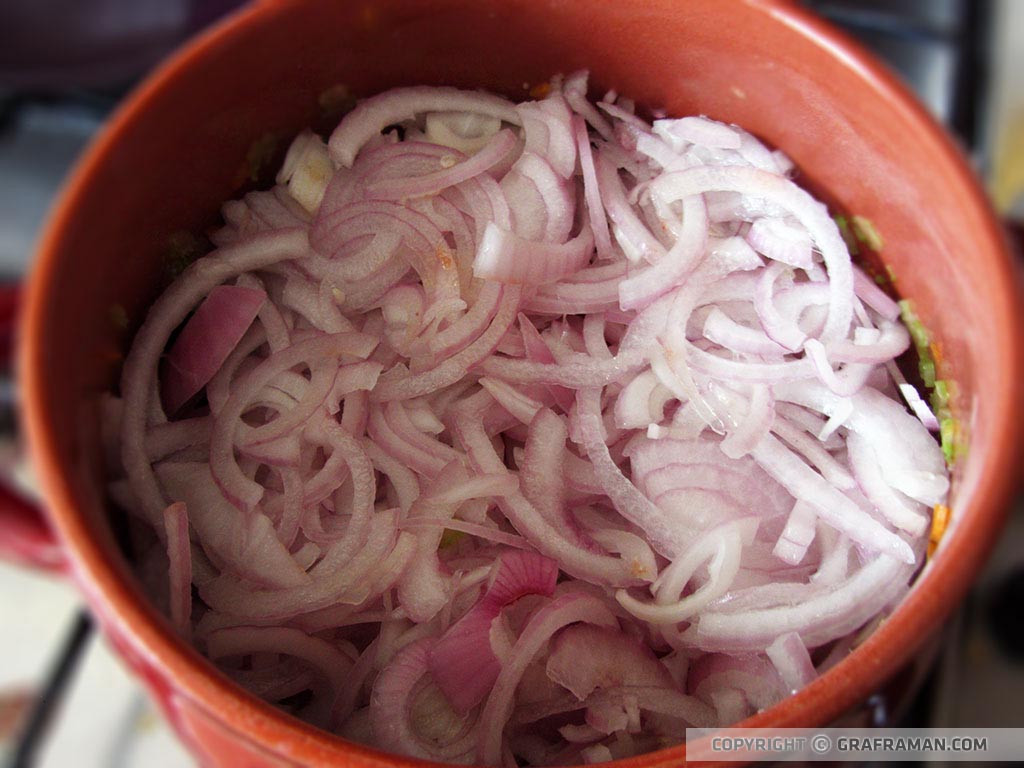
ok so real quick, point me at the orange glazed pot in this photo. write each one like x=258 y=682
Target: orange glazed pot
x=184 y=141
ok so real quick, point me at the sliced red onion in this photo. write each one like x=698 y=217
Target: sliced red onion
x=869 y=292
x=206 y=341
x=659 y=153
x=718 y=677
x=470 y=326
x=378 y=438
x=467 y=132
x=538 y=351
x=735 y=370
x=548 y=128
x=455 y=367
x=733 y=254
x=640 y=290
x=920 y=408
x=628 y=500
x=592 y=192
x=306 y=170
x=785 y=331
x=757 y=420
x=541 y=202
x=333 y=580
x=333 y=665
x=431 y=183
x=633 y=549
x=422 y=461
x=633 y=236
x=618 y=112
x=397 y=414
x=395 y=106
x=819 y=619
x=721 y=329
x=845 y=383
x=422 y=588
x=482 y=200
x=179 y=555
x=359 y=239
x=403 y=480
x=698 y=130
x=241 y=490
x=811 y=214
x=891 y=341
x=164 y=440
x=641 y=402
x=249 y=544
x=832 y=506
x=463 y=662
x=911 y=460
x=721 y=547
x=575 y=91
x=896 y=508
x=277 y=682
x=549 y=540
x=473 y=529
x=574 y=298
x=293 y=411
x=792 y=544
x=274 y=211
x=567 y=608
x=660 y=700
x=790 y=657
x=543 y=470
x=506 y=258
x=422 y=416
x=813 y=450
x=394 y=715
x=580 y=734
x=781 y=241
x=512 y=400
x=586 y=657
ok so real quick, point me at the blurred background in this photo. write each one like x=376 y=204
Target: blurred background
x=65 y=64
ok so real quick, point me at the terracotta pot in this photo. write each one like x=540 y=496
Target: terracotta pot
x=183 y=143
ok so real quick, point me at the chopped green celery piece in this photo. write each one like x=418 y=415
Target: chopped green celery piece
x=336 y=101
x=918 y=333
x=260 y=154
x=940 y=396
x=848 y=238
x=927 y=369
x=947 y=433
x=921 y=338
x=450 y=538
x=866 y=232
x=181 y=250
x=119 y=317
x=941 y=389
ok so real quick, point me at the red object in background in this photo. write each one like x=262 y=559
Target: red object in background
x=26 y=538
x=10 y=304
x=766 y=65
